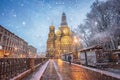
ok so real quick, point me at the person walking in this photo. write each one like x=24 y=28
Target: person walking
x=69 y=59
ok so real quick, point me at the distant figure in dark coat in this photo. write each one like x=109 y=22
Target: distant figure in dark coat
x=69 y=59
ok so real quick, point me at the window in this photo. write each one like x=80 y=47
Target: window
x=0 y=37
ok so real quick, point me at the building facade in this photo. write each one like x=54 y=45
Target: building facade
x=61 y=41
x=32 y=51
x=11 y=45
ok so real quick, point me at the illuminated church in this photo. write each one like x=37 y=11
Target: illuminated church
x=61 y=41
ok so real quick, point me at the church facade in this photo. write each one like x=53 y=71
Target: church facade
x=61 y=41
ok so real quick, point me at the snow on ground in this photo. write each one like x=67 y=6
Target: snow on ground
x=40 y=72
x=117 y=71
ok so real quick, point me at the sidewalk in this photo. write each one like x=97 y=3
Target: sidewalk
x=37 y=74
x=50 y=72
x=71 y=72
x=76 y=72
x=61 y=70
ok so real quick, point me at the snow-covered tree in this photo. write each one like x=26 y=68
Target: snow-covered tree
x=102 y=25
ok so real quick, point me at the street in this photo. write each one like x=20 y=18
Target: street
x=66 y=71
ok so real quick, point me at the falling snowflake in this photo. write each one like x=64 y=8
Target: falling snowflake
x=71 y=19
x=14 y=15
x=56 y=3
x=3 y=14
x=23 y=23
x=22 y=5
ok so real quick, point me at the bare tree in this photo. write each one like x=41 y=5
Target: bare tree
x=101 y=25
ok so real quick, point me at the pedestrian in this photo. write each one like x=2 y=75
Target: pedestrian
x=69 y=59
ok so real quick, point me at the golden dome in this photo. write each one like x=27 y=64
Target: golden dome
x=66 y=31
x=66 y=40
x=52 y=27
x=58 y=32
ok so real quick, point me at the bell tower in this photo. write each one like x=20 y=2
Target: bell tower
x=63 y=20
x=51 y=41
x=64 y=26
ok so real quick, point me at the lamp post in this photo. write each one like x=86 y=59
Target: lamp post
x=76 y=43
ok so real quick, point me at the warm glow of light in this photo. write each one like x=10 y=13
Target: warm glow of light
x=0 y=47
x=16 y=48
x=1 y=53
x=75 y=39
x=7 y=53
x=60 y=62
x=21 y=56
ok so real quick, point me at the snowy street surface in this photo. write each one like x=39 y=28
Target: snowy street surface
x=50 y=72
x=60 y=70
x=37 y=74
x=117 y=71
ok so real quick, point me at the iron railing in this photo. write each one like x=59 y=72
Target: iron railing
x=11 y=67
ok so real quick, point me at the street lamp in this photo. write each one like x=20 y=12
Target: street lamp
x=76 y=40
x=76 y=43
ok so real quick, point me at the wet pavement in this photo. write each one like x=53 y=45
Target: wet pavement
x=61 y=70
x=50 y=72
x=73 y=72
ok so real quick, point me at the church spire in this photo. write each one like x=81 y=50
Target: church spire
x=63 y=20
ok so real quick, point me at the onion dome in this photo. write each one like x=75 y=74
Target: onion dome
x=58 y=32
x=52 y=27
x=66 y=31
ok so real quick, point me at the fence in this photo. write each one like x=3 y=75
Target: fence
x=11 y=67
